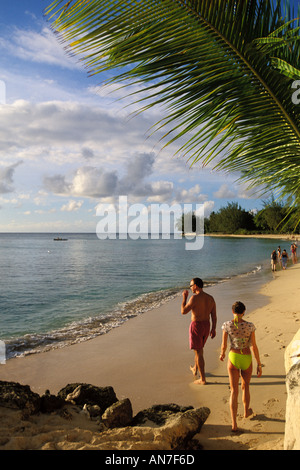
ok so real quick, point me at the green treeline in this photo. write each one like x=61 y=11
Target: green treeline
x=233 y=219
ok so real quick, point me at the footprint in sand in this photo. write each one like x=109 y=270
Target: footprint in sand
x=271 y=402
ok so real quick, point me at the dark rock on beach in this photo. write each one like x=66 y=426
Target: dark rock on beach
x=161 y=427
x=16 y=396
x=50 y=403
x=119 y=414
x=159 y=414
x=81 y=394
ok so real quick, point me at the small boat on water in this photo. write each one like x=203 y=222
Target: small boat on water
x=59 y=239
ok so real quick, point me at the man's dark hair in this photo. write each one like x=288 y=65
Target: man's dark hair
x=198 y=282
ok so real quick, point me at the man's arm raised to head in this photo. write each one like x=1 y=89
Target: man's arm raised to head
x=186 y=307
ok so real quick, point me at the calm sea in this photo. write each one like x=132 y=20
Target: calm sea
x=55 y=293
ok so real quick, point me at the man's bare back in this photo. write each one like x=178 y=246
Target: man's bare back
x=202 y=307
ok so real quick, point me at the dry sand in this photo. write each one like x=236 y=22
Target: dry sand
x=147 y=360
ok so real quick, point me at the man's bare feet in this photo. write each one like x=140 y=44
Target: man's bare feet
x=194 y=370
x=200 y=382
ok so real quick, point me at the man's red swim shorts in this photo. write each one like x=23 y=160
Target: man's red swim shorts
x=199 y=332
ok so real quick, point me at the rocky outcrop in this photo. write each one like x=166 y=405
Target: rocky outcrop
x=292 y=420
x=175 y=434
x=161 y=427
x=81 y=394
x=117 y=415
x=16 y=396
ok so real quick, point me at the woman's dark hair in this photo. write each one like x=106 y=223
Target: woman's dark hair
x=238 y=307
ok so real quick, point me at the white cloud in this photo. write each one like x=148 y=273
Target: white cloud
x=72 y=206
x=245 y=193
x=93 y=182
x=41 y=47
x=208 y=207
x=96 y=182
x=42 y=212
x=83 y=129
x=41 y=198
x=224 y=192
x=6 y=178
x=190 y=195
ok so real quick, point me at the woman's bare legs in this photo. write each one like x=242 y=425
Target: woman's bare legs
x=246 y=377
x=234 y=375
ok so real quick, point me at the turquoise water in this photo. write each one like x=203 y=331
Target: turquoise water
x=58 y=293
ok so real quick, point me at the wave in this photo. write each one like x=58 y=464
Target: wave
x=89 y=328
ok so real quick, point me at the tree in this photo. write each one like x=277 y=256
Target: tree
x=225 y=70
x=274 y=217
x=231 y=219
x=192 y=220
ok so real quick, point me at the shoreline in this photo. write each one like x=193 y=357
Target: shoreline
x=283 y=236
x=147 y=360
x=54 y=339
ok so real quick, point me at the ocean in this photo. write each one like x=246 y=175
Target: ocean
x=57 y=293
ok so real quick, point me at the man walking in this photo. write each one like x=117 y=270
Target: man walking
x=202 y=307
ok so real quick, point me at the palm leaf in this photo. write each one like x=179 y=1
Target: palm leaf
x=222 y=69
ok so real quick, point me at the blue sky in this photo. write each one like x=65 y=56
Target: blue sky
x=68 y=145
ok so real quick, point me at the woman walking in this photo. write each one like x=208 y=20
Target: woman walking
x=242 y=340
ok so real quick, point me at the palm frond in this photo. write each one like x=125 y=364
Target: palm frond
x=223 y=69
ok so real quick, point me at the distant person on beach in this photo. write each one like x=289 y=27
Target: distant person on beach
x=242 y=340
x=284 y=259
x=273 y=260
x=294 y=253
x=279 y=255
x=202 y=307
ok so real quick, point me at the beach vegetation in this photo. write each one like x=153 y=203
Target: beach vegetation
x=222 y=72
x=275 y=217
x=231 y=219
x=271 y=217
x=194 y=222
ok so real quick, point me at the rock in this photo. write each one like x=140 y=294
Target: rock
x=292 y=417
x=161 y=427
x=50 y=403
x=292 y=354
x=92 y=411
x=81 y=394
x=159 y=414
x=176 y=434
x=119 y=414
x=17 y=396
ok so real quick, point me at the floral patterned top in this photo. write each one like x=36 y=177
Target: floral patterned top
x=240 y=335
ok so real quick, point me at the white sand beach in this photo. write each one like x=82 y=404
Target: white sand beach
x=148 y=358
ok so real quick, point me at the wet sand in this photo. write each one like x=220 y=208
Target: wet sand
x=148 y=360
